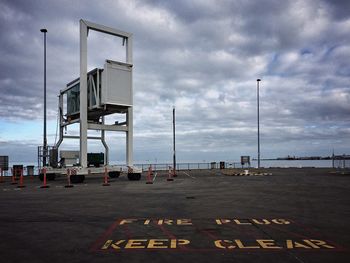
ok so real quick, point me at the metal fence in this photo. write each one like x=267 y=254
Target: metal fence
x=188 y=166
x=29 y=170
x=34 y=170
x=341 y=163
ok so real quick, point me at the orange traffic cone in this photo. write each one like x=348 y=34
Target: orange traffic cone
x=69 y=185
x=13 y=181
x=21 y=185
x=44 y=184
x=174 y=172
x=1 y=176
x=149 y=179
x=170 y=177
x=106 y=178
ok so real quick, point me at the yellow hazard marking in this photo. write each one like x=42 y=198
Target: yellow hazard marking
x=280 y=221
x=310 y=243
x=224 y=244
x=221 y=244
x=218 y=221
x=157 y=243
x=165 y=221
x=161 y=221
x=182 y=242
x=238 y=222
x=318 y=243
x=184 y=222
x=145 y=244
x=293 y=244
x=136 y=243
x=116 y=244
x=107 y=244
x=267 y=243
x=272 y=244
x=163 y=243
x=261 y=222
x=173 y=243
x=241 y=245
x=127 y=221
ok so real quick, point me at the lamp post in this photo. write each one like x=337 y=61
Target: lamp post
x=257 y=89
x=174 y=150
x=44 y=30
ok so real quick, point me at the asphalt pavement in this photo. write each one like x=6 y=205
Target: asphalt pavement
x=288 y=215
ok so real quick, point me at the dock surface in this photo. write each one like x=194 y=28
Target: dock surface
x=288 y=215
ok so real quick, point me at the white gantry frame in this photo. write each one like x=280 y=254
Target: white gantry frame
x=85 y=26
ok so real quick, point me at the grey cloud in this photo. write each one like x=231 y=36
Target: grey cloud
x=201 y=56
x=340 y=9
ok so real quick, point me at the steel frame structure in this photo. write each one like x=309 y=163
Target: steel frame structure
x=88 y=84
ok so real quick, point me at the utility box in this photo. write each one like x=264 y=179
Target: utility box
x=116 y=84
x=4 y=163
x=213 y=165
x=17 y=170
x=245 y=160
x=95 y=159
x=30 y=170
x=222 y=165
x=54 y=157
x=109 y=91
x=69 y=158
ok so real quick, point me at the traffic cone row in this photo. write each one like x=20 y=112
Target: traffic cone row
x=13 y=177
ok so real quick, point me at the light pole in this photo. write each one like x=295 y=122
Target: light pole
x=44 y=30
x=174 y=150
x=257 y=89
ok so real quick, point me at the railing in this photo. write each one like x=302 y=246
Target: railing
x=29 y=170
x=341 y=163
x=188 y=166
x=155 y=166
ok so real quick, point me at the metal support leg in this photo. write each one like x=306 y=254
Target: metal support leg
x=60 y=112
x=129 y=136
x=83 y=94
x=104 y=143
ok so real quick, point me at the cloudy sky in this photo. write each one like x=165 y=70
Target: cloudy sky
x=203 y=57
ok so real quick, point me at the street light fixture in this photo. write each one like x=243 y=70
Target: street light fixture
x=257 y=87
x=174 y=149
x=44 y=30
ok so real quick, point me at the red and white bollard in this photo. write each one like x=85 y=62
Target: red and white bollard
x=1 y=175
x=174 y=172
x=21 y=185
x=68 y=185
x=149 y=179
x=105 y=183
x=44 y=184
x=13 y=181
x=170 y=177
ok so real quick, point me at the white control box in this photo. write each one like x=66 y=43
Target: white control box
x=117 y=84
